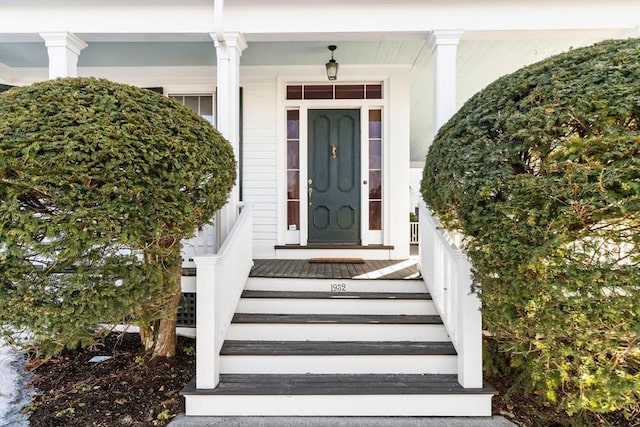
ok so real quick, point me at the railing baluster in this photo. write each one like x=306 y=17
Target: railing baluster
x=414 y=232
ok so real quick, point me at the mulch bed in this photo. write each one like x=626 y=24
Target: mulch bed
x=130 y=389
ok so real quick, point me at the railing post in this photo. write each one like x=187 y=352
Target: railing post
x=207 y=357
x=469 y=320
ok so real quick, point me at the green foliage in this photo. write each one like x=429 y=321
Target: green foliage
x=66 y=412
x=189 y=351
x=164 y=415
x=99 y=181
x=541 y=170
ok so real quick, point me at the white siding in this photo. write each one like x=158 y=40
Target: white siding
x=259 y=162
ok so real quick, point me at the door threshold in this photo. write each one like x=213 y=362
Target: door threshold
x=333 y=246
x=371 y=252
x=336 y=261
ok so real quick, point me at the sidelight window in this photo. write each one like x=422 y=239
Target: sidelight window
x=375 y=169
x=293 y=169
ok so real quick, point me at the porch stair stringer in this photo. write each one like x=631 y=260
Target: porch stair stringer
x=376 y=349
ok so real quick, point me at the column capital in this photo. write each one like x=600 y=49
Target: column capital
x=231 y=40
x=64 y=39
x=444 y=37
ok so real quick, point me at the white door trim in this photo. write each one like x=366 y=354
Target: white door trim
x=286 y=236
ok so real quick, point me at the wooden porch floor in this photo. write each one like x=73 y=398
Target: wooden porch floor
x=303 y=269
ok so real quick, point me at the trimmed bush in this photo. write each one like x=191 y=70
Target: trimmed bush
x=541 y=172
x=100 y=181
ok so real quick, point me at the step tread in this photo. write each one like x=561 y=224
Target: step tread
x=405 y=319
x=189 y=271
x=336 y=384
x=336 y=348
x=336 y=295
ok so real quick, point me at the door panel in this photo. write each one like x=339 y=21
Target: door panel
x=320 y=148
x=334 y=176
x=346 y=173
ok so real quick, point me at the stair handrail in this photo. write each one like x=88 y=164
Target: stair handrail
x=220 y=280
x=446 y=271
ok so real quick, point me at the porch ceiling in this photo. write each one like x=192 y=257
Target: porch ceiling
x=482 y=57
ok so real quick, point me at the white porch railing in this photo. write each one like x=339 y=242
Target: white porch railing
x=220 y=279
x=204 y=242
x=414 y=232
x=446 y=271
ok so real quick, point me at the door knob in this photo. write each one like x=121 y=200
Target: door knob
x=310 y=193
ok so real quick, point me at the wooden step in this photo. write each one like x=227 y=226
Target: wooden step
x=337 y=332
x=335 y=285
x=337 y=357
x=337 y=318
x=337 y=306
x=338 y=364
x=336 y=295
x=188 y=271
x=338 y=395
x=399 y=405
x=335 y=348
x=337 y=384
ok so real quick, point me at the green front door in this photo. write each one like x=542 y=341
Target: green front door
x=334 y=176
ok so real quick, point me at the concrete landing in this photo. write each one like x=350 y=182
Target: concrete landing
x=495 y=421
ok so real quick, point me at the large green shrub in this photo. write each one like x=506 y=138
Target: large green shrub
x=541 y=172
x=100 y=181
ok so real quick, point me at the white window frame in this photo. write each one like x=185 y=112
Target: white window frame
x=174 y=93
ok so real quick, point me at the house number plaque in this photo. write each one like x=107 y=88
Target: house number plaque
x=338 y=287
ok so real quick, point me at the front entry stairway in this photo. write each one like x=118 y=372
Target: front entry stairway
x=337 y=347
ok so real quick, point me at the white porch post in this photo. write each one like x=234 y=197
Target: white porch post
x=469 y=323
x=466 y=318
x=63 y=49
x=228 y=52
x=445 y=46
x=207 y=354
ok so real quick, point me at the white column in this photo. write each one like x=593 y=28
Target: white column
x=63 y=49
x=444 y=44
x=228 y=52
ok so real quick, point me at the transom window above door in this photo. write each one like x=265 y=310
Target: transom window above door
x=343 y=91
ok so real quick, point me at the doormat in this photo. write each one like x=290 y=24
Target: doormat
x=336 y=261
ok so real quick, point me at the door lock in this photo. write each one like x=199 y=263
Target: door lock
x=334 y=151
